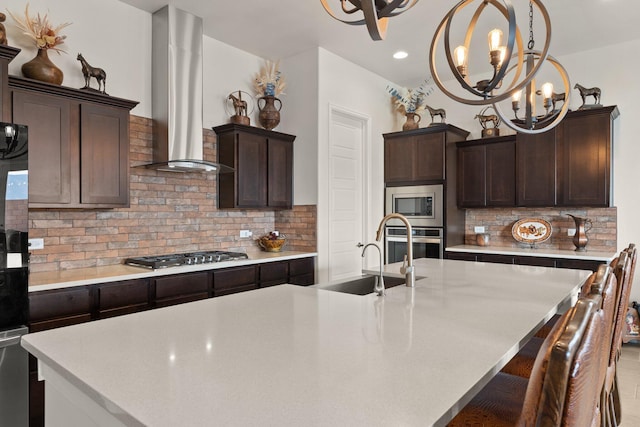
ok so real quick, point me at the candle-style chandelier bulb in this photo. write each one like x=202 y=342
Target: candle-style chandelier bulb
x=460 y=55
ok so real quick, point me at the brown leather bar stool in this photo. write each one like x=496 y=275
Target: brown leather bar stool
x=565 y=384
x=623 y=268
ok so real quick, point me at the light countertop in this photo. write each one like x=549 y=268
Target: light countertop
x=42 y=281
x=292 y=355
x=537 y=252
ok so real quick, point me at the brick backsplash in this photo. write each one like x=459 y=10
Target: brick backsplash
x=169 y=213
x=498 y=223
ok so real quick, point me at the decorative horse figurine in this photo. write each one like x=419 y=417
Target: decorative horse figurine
x=486 y=119
x=239 y=104
x=584 y=92
x=437 y=112
x=88 y=71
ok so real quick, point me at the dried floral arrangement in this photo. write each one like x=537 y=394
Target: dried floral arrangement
x=411 y=100
x=40 y=30
x=269 y=81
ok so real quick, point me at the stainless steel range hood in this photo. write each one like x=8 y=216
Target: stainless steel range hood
x=177 y=93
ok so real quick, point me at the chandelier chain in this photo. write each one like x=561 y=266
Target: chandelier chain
x=531 y=41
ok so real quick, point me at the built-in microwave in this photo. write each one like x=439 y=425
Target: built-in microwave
x=422 y=205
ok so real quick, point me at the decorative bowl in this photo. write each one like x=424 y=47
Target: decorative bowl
x=271 y=245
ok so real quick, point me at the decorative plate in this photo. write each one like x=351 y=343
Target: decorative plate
x=531 y=230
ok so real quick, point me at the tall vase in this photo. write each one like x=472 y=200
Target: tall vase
x=41 y=68
x=269 y=116
x=411 y=122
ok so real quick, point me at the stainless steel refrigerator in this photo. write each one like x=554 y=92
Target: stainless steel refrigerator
x=14 y=274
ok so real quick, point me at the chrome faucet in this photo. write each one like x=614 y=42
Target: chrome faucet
x=378 y=286
x=407 y=265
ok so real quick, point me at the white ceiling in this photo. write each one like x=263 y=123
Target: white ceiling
x=281 y=28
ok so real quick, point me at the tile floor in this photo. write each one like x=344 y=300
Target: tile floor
x=629 y=383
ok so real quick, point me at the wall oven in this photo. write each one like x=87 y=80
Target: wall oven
x=422 y=205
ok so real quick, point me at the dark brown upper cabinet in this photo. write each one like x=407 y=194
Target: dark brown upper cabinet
x=584 y=155
x=418 y=156
x=536 y=165
x=263 y=168
x=78 y=145
x=569 y=165
x=486 y=172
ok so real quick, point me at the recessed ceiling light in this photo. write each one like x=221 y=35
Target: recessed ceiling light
x=401 y=54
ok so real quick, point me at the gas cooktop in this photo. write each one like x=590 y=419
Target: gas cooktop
x=191 y=258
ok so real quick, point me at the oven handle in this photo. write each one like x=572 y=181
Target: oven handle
x=415 y=239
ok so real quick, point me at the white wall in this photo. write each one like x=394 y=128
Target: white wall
x=350 y=87
x=299 y=116
x=109 y=34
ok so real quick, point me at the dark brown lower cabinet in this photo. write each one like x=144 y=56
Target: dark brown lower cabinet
x=232 y=280
x=302 y=271
x=273 y=273
x=125 y=297
x=181 y=288
x=578 y=264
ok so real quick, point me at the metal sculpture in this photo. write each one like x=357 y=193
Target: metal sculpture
x=485 y=119
x=436 y=112
x=585 y=92
x=376 y=13
x=98 y=73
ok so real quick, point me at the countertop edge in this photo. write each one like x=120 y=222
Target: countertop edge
x=542 y=253
x=43 y=281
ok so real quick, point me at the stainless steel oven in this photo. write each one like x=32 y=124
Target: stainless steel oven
x=422 y=205
x=427 y=243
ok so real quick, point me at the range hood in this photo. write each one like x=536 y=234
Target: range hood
x=177 y=93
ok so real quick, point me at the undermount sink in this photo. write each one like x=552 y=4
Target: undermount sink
x=360 y=285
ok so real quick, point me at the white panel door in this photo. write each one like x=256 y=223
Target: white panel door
x=347 y=193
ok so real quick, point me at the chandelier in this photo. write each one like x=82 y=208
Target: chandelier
x=510 y=70
x=376 y=13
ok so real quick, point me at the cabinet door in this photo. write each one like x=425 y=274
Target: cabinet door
x=398 y=159
x=104 y=148
x=59 y=307
x=129 y=296
x=274 y=273
x=586 y=156
x=251 y=176
x=232 y=280
x=53 y=146
x=180 y=288
x=471 y=176
x=429 y=157
x=280 y=167
x=501 y=174
x=536 y=161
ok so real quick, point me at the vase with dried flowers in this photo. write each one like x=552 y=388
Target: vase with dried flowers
x=46 y=37
x=269 y=84
x=410 y=102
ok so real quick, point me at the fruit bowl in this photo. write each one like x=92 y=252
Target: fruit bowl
x=271 y=243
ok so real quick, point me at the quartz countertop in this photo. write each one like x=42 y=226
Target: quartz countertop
x=292 y=355
x=536 y=252
x=42 y=281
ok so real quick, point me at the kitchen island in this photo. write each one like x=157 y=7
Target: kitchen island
x=290 y=355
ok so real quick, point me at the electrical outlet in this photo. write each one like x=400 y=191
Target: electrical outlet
x=478 y=229
x=245 y=233
x=571 y=232
x=35 y=244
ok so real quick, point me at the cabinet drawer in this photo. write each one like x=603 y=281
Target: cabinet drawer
x=461 y=256
x=579 y=264
x=48 y=305
x=233 y=278
x=304 y=279
x=537 y=261
x=182 y=284
x=500 y=259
